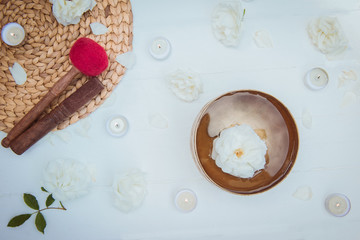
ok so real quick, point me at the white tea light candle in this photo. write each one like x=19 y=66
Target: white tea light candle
x=117 y=126
x=160 y=48
x=316 y=79
x=13 y=34
x=337 y=204
x=185 y=200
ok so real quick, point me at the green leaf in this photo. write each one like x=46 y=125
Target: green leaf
x=40 y=222
x=62 y=206
x=43 y=189
x=31 y=201
x=18 y=220
x=50 y=200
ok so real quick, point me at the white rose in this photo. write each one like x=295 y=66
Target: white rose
x=186 y=85
x=326 y=34
x=130 y=190
x=239 y=151
x=69 y=12
x=227 y=22
x=66 y=179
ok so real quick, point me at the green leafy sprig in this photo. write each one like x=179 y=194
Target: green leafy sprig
x=32 y=202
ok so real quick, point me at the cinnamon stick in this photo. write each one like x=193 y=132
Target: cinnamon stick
x=66 y=108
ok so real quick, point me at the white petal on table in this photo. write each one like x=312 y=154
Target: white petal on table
x=303 y=193
x=98 y=28
x=307 y=119
x=348 y=99
x=83 y=127
x=347 y=76
x=157 y=120
x=127 y=59
x=263 y=39
x=18 y=73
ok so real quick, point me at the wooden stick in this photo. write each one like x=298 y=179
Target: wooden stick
x=39 y=108
x=66 y=108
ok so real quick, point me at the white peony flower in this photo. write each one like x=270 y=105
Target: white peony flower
x=130 y=190
x=67 y=179
x=326 y=34
x=70 y=11
x=186 y=85
x=227 y=23
x=239 y=151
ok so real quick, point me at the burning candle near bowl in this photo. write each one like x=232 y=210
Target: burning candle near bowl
x=185 y=200
x=337 y=204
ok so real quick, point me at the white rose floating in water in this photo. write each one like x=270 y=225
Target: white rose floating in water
x=69 y=12
x=239 y=151
x=130 y=190
x=227 y=23
x=186 y=85
x=67 y=179
x=326 y=34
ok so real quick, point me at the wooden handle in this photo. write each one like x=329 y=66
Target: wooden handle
x=69 y=106
x=39 y=108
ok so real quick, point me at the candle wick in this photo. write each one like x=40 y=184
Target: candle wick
x=12 y=34
x=159 y=46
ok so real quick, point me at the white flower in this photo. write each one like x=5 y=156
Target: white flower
x=239 y=151
x=227 y=22
x=326 y=34
x=186 y=85
x=69 y=12
x=130 y=190
x=67 y=179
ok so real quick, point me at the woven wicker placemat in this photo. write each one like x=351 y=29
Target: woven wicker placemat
x=44 y=56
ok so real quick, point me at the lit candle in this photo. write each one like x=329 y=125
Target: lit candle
x=160 y=48
x=337 y=204
x=117 y=126
x=316 y=79
x=185 y=200
x=13 y=34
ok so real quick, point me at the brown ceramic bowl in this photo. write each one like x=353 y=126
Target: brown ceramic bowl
x=270 y=119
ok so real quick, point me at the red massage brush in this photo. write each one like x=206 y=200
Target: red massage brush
x=87 y=57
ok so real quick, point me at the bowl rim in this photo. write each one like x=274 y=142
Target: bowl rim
x=195 y=153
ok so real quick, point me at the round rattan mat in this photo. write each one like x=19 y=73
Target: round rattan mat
x=44 y=55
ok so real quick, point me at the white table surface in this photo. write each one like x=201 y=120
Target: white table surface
x=327 y=162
